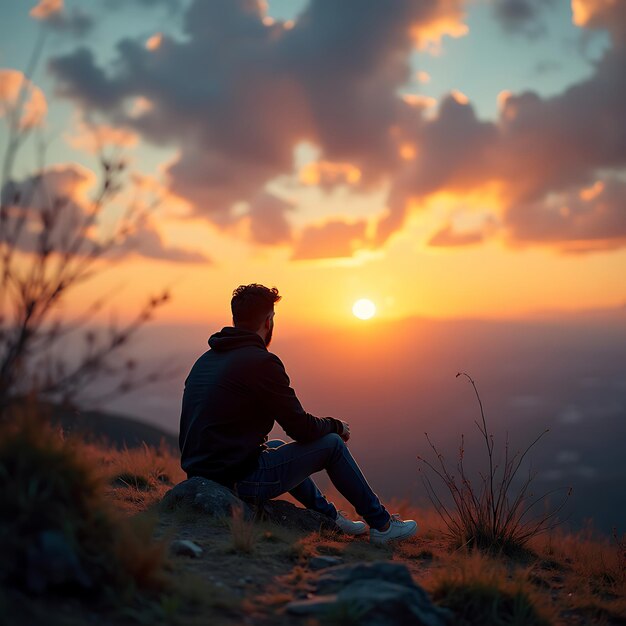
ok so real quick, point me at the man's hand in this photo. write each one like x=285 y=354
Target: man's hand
x=345 y=434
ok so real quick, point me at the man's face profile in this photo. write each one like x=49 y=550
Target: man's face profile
x=270 y=330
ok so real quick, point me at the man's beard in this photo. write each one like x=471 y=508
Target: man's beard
x=268 y=337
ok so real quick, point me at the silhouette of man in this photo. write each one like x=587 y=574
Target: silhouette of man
x=234 y=393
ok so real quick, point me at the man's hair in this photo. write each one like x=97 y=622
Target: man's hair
x=251 y=304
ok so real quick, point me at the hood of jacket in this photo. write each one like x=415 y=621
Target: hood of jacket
x=230 y=338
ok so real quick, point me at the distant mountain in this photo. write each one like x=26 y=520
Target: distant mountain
x=117 y=430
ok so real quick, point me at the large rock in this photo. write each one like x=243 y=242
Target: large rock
x=210 y=498
x=203 y=496
x=372 y=594
x=284 y=513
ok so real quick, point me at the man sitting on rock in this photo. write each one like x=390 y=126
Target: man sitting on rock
x=232 y=396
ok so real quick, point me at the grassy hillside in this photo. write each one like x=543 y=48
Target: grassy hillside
x=249 y=571
x=117 y=430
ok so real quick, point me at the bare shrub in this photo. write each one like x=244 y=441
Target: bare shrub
x=48 y=488
x=495 y=514
x=49 y=245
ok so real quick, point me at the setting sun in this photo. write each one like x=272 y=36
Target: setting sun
x=364 y=309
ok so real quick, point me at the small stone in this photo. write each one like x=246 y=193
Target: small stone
x=322 y=562
x=184 y=547
x=319 y=605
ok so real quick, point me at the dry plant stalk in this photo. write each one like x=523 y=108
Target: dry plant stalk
x=48 y=247
x=493 y=515
x=243 y=531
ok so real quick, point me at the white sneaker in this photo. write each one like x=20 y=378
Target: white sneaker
x=348 y=526
x=397 y=531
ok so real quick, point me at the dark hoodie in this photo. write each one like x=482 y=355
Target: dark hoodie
x=232 y=396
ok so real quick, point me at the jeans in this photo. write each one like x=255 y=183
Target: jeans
x=287 y=467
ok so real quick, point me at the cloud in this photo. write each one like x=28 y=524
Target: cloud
x=59 y=197
x=586 y=220
x=94 y=138
x=145 y=240
x=333 y=239
x=268 y=221
x=237 y=95
x=449 y=237
x=77 y=22
x=52 y=13
x=34 y=107
x=329 y=175
x=538 y=148
x=45 y=9
x=172 y=5
x=454 y=153
x=607 y=15
x=522 y=16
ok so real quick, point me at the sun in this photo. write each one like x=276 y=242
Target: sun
x=364 y=309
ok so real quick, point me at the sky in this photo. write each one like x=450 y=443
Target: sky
x=460 y=163
x=446 y=159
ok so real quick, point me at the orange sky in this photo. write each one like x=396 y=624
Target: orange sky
x=394 y=168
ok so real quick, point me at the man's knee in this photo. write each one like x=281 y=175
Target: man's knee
x=274 y=443
x=334 y=440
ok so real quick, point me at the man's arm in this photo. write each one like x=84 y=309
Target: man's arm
x=276 y=394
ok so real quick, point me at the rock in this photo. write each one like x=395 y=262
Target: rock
x=337 y=578
x=382 y=603
x=204 y=496
x=319 y=605
x=184 y=547
x=284 y=513
x=322 y=562
x=372 y=594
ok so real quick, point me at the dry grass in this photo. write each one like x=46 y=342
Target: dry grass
x=482 y=591
x=48 y=488
x=244 y=532
x=591 y=567
x=561 y=575
x=136 y=478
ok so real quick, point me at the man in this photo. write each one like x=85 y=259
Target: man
x=232 y=396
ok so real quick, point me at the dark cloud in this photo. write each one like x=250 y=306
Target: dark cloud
x=172 y=5
x=583 y=220
x=268 y=221
x=538 y=147
x=455 y=151
x=61 y=194
x=522 y=16
x=74 y=22
x=236 y=95
x=144 y=240
x=609 y=15
x=332 y=239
